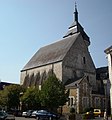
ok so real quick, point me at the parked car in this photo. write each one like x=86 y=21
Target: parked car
x=27 y=113
x=2 y=115
x=46 y=115
x=6 y=116
x=34 y=113
x=96 y=113
x=24 y=113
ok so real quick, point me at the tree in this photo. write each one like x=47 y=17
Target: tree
x=2 y=99
x=30 y=98
x=10 y=96
x=53 y=93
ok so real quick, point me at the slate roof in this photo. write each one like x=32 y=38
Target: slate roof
x=74 y=84
x=102 y=73
x=51 y=53
x=75 y=28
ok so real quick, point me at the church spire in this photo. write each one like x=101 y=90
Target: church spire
x=76 y=27
x=75 y=13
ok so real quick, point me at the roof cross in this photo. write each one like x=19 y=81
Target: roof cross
x=75 y=13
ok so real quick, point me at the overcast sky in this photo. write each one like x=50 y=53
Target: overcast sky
x=27 y=25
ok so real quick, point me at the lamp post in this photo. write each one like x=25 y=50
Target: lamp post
x=20 y=108
x=105 y=88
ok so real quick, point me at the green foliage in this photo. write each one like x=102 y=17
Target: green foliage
x=2 y=99
x=30 y=98
x=72 y=110
x=10 y=96
x=72 y=117
x=53 y=93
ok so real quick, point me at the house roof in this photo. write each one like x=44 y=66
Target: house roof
x=76 y=82
x=73 y=84
x=51 y=53
x=102 y=73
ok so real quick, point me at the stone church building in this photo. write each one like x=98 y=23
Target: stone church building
x=69 y=58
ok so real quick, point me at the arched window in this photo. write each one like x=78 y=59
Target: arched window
x=97 y=102
x=85 y=102
x=84 y=60
x=71 y=101
x=37 y=79
x=31 y=80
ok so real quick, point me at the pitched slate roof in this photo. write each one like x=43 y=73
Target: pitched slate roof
x=74 y=84
x=51 y=53
x=76 y=27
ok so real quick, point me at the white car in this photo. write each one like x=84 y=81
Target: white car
x=34 y=113
x=24 y=114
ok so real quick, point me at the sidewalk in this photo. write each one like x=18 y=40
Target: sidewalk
x=79 y=118
x=100 y=118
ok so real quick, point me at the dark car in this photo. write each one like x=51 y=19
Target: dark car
x=2 y=115
x=46 y=115
x=6 y=116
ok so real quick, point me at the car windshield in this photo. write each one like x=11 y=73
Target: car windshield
x=1 y=114
x=43 y=111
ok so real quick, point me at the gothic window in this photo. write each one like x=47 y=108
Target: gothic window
x=31 y=80
x=26 y=81
x=43 y=77
x=37 y=79
x=84 y=60
x=97 y=102
x=85 y=102
x=71 y=101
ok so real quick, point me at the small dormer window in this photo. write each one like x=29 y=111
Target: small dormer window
x=88 y=78
x=84 y=60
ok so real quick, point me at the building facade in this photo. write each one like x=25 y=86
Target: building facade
x=70 y=60
x=108 y=51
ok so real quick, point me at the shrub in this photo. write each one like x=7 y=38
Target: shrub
x=72 y=117
x=72 y=110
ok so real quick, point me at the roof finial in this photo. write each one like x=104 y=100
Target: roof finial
x=75 y=13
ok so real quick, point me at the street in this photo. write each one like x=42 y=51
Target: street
x=23 y=118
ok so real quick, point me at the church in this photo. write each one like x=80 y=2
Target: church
x=70 y=60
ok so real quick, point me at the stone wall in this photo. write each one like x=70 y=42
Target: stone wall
x=56 y=68
x=78 y=63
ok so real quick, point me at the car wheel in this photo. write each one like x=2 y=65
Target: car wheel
x=37 y=118
x=50 y=118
